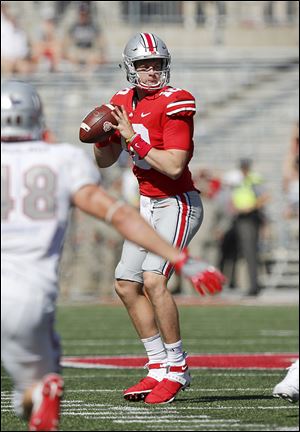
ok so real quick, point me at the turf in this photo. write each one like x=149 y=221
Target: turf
x=219 y=399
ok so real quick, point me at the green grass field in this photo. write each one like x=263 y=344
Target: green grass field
x=218 y=400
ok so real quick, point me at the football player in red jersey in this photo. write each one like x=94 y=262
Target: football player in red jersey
x=155 y=125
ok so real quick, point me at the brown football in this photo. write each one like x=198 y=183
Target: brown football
x=96 y=126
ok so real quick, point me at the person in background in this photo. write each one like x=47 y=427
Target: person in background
x=47 y=48
x=222 y=229
x=84 y=44
x=40 y=182
x=248 y=200
x=15 y=45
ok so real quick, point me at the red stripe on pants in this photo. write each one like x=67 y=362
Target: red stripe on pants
x=181 y=229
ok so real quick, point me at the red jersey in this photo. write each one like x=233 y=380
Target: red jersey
x=165 y=120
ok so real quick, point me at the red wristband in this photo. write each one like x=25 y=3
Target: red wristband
x=140 y=146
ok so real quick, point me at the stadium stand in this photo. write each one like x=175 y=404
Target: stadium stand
x=246 y=83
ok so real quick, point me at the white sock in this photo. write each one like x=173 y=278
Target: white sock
x=155 y=349
x=37 y=397
x=175 y=353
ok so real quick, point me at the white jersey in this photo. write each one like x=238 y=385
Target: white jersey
x=37 y=184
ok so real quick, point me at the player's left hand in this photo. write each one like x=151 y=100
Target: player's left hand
x=205 y=278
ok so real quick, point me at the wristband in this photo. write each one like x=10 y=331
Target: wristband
x=138 y=145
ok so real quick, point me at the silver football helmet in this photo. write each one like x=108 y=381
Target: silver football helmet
x=22 y=116
x=144 y=46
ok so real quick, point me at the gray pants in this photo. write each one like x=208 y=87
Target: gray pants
x=247 y=229
x=175 y=218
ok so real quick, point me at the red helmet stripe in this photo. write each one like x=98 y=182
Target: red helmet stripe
x=149 y=41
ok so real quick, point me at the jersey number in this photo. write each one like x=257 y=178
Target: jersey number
x=39 y=201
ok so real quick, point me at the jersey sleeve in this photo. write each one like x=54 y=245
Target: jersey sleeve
x=182 y=104
x=81 y=170
x=178 y=134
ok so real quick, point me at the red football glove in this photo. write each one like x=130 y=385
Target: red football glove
x=205 y=278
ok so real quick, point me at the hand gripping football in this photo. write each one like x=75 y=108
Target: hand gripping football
x=96 y=126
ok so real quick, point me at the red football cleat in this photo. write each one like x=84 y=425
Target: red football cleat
x=140 y=390
x=45 y=416
x=178 y=378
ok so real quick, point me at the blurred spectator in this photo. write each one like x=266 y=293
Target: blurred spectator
x=15 y=47
x=216 y=238
x=248 y=199
x=200 y=13
x=84 y=45
x=47 y=49
x=268 y=12
x=60 y=8
x=223 y=228
x=291 y=176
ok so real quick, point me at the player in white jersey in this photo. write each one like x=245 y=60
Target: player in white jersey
x=39 y=184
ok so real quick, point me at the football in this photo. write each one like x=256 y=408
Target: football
x=96 y=126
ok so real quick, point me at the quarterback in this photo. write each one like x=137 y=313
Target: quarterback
x=155 y=126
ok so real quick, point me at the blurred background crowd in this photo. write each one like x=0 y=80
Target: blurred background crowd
x=240 y=59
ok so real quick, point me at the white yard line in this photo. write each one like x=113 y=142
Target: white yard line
x=5 y=394
x=229 y=341
x=278 y=333
x=163 y=417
